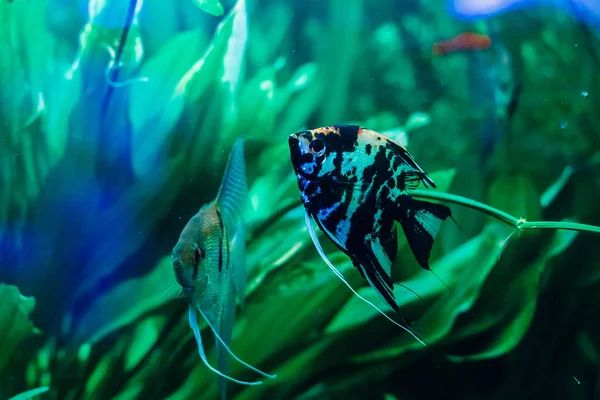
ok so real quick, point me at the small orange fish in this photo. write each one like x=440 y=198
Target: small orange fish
x=463 y=42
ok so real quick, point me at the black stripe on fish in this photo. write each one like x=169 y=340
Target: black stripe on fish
x=220 y=253
x=222 y=230
x=195 y=271
x=226 y=252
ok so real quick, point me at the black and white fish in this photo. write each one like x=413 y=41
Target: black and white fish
x=353 y=183
x=210 y=264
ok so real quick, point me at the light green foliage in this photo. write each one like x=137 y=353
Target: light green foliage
x=213 y=7
x=29 y=394
x=97 y=182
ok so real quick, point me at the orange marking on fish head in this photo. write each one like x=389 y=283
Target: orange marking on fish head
x=326 y=130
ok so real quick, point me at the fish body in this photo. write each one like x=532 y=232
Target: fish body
x=209 y=259
x=495 y=92
x=467 y=41
x=353 y=182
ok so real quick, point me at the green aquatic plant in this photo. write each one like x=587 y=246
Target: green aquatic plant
x=29 y=394
x=518 y=223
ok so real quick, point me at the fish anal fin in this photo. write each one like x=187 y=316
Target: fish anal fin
x=374 y=261
x=421 y=222
x=377 y=283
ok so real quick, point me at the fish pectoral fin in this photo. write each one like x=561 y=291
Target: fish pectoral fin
x=421 y=222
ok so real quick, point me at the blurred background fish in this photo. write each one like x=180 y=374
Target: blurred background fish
x=467 y=41
x=493 y=86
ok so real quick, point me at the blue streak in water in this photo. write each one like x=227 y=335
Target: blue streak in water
x=585 y=11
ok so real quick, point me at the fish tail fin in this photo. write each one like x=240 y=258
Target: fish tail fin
x=233 y=199
x=421 y=222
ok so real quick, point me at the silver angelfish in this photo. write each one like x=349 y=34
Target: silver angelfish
x=209 y=263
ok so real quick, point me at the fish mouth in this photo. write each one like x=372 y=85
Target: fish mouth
x=182 y=276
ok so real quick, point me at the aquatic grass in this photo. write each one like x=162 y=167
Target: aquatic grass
x=30 y=393
x=519 y=224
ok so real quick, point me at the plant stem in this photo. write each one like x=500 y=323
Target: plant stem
x=508 y=219
x=571 y=226
x=465 y=202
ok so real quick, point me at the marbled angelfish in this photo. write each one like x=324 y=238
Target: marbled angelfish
x=353 y=182
x=209 y=263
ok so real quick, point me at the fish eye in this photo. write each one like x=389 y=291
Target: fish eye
x=316 y=146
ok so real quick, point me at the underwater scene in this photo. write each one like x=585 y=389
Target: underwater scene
x=307 y=199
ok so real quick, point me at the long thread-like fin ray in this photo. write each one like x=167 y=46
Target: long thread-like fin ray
x=272 y=376
x=315 y=240
x=444 y=283
x=194 y=325
x=410 y=290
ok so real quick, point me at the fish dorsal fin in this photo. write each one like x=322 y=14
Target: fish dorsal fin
x=415 y=174
x=233 y=199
